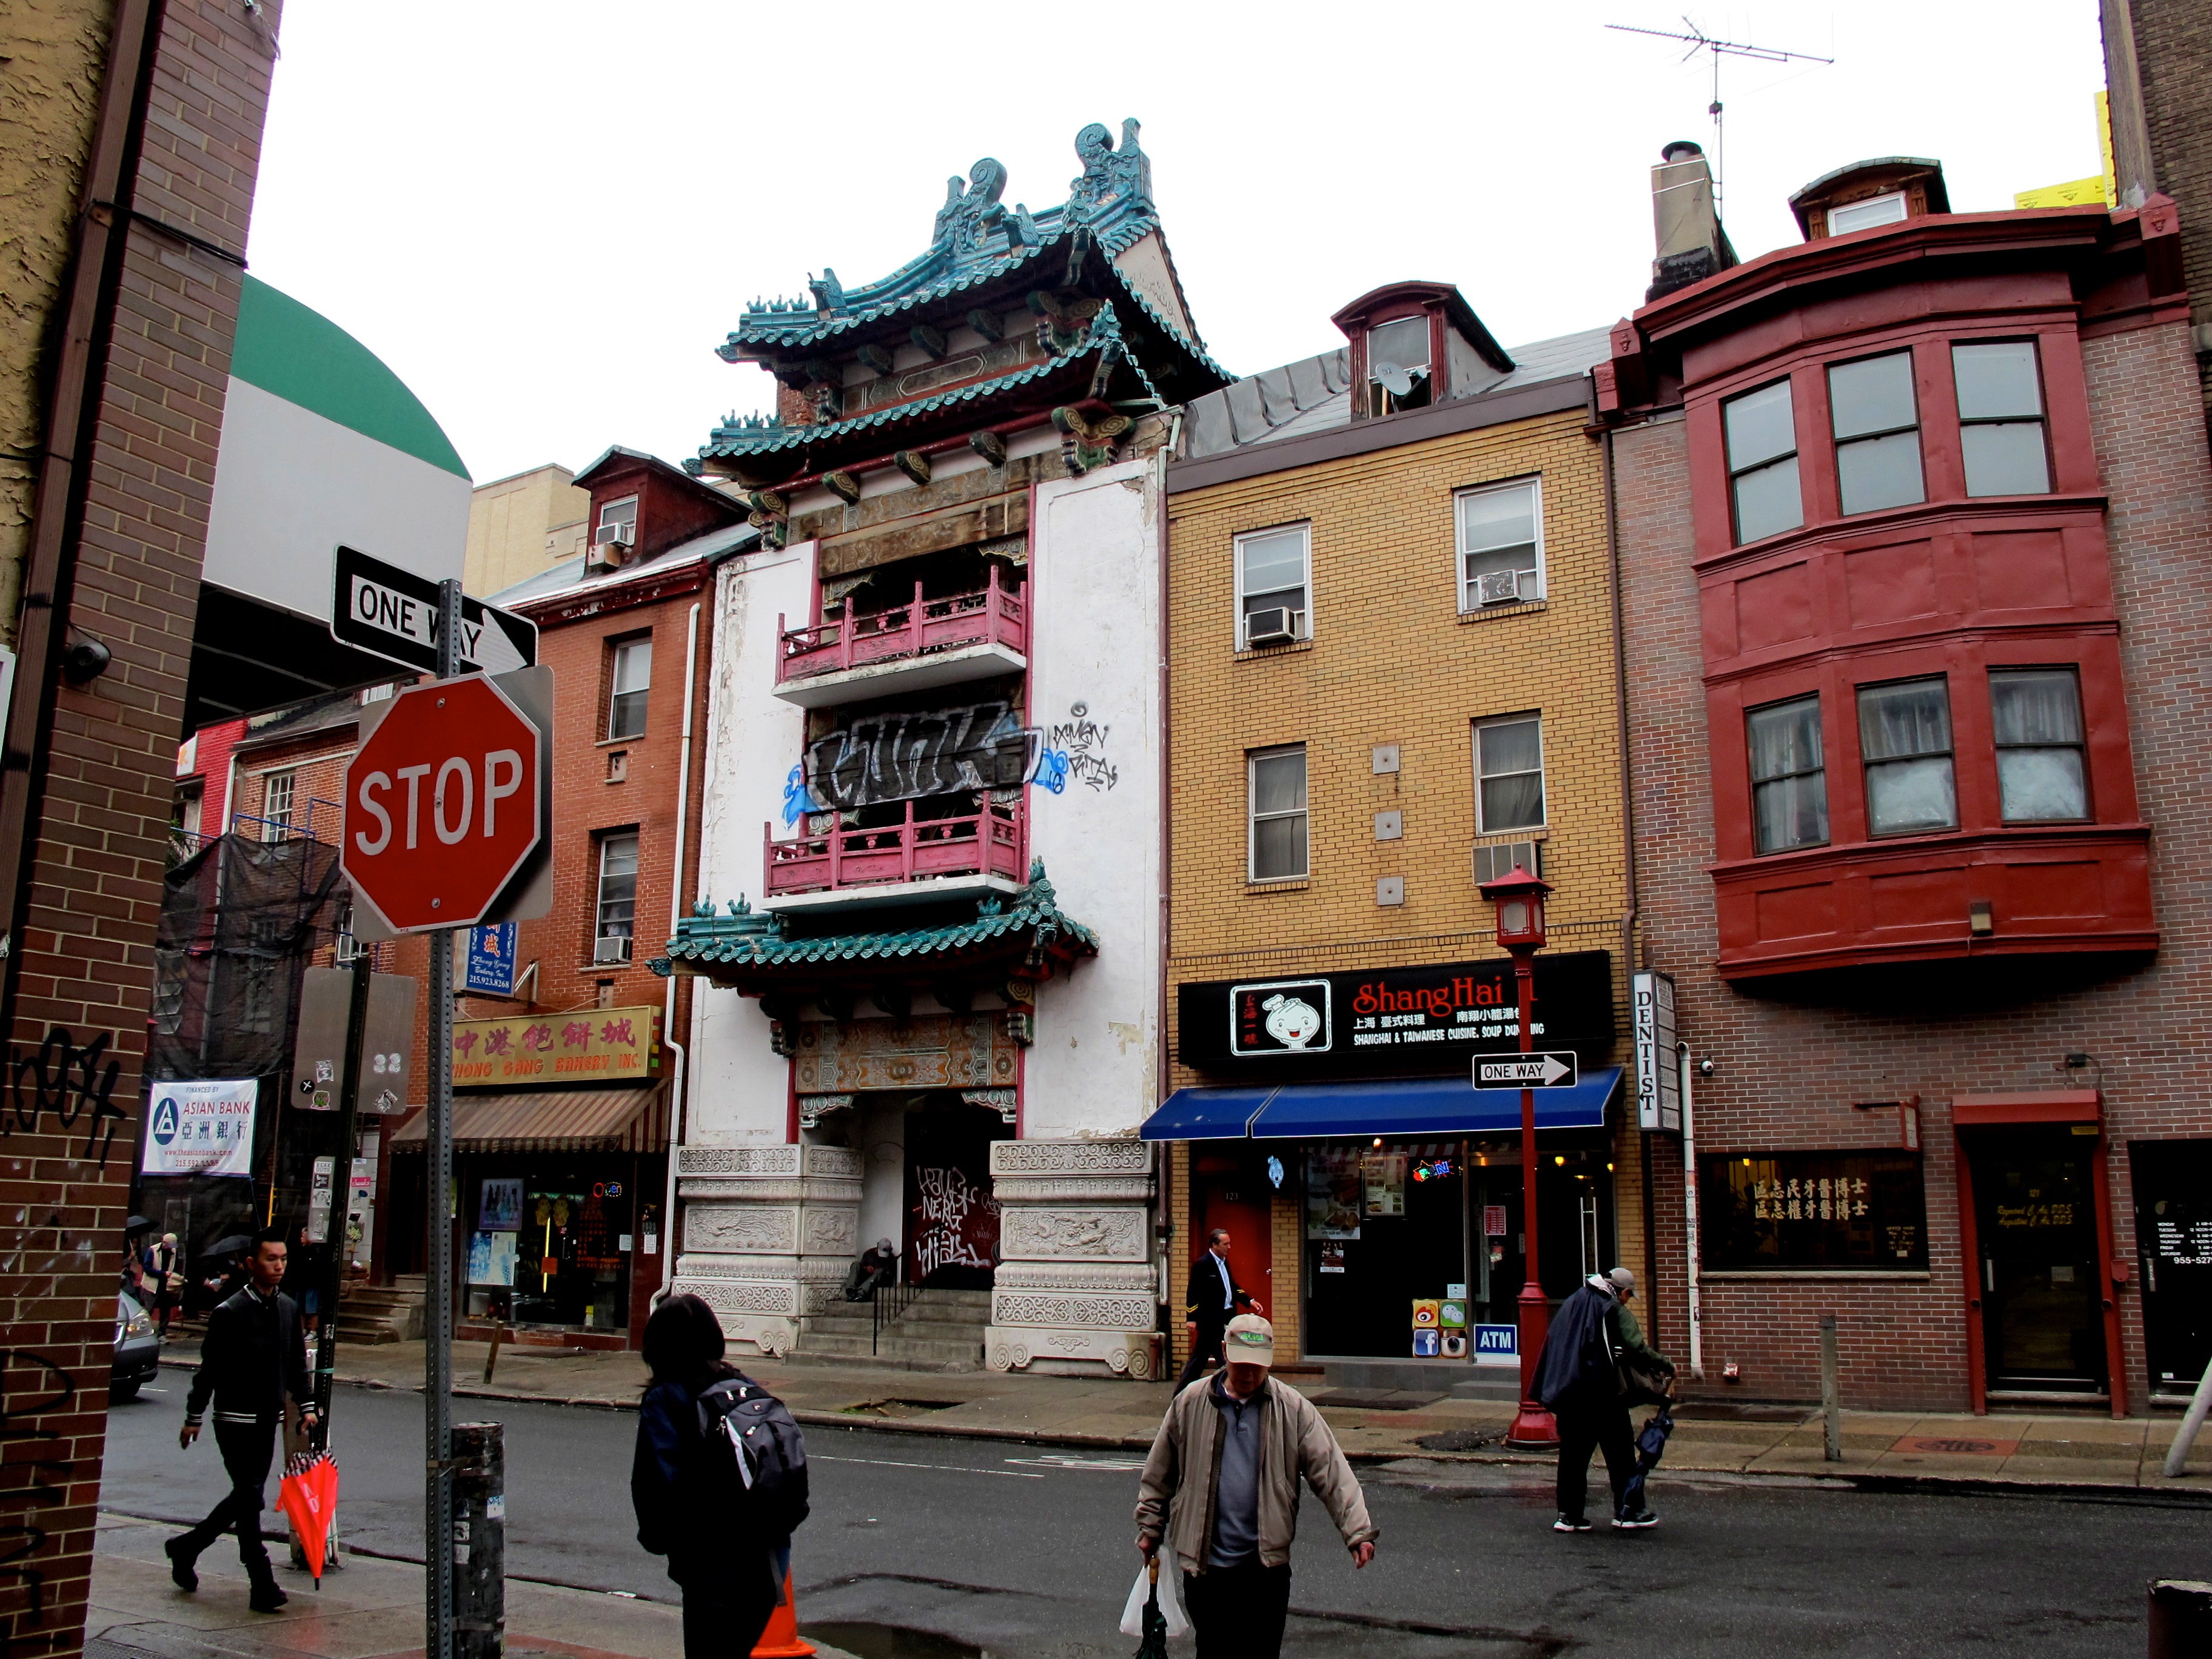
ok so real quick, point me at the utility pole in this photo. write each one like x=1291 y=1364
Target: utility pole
x=438 y=1353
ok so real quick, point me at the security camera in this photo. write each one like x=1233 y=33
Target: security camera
x=1705 y=1068
x=85 y=661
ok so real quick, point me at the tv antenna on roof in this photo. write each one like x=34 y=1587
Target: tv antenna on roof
x=1700 y=41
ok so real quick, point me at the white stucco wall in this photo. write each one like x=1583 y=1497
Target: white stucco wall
x=1095 y=573
x=740 y=1086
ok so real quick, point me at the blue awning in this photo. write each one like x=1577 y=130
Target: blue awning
x=1409 y=1106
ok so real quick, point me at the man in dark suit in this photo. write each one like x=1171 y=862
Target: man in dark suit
x=254 y=1357
x=1215 y=1299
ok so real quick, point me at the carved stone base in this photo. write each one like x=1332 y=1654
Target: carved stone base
x=1076 y=1290
x=1040 y=1348
x=767 y=1234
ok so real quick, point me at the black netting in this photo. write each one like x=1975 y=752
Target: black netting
x=240 y=921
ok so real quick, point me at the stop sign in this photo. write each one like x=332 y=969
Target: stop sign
x=441 y=805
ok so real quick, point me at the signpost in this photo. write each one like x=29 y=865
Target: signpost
x=393 y=613
x=445 y=805
x=1556 y=1069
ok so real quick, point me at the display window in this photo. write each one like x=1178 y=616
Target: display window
x=550 y=1246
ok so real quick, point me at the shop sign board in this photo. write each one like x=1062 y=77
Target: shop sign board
x=1430 y=1017
x=1658 y=1078
x=586 y=1045
x=1549 y=1069
x=201 y=1129
x=1780 y=1211
x=490 y=964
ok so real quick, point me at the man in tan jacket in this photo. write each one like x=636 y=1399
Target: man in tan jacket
x=1221 y=1487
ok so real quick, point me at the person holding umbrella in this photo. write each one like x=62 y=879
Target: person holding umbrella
x=254 y=1357
x=164 y=1276
x=1595 y=1364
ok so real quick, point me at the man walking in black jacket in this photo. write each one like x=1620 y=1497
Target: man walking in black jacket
x=1216 y=1298
x=253 y=1359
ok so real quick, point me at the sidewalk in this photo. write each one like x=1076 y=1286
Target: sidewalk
x=1880 y=1449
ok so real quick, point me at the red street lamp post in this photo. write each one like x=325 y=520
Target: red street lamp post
x=1519 y=897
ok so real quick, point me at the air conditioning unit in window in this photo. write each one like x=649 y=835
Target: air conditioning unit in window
x=610 y=950
x=1278 y=625
x=1498 y=586
x=615 y=535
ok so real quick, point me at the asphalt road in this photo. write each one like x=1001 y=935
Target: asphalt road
x=1023 y=1551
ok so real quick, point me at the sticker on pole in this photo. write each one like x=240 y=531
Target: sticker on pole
x=1556 y=1070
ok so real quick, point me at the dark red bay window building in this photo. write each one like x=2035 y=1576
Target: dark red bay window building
x=1911 y=524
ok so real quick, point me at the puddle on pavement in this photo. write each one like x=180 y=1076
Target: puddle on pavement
x=867 y=1641
x=896 y=1407
x=1456 y=1440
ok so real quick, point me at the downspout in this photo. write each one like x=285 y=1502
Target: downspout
x=1162 y=1221
x=1690 y=1215
x=677 y=886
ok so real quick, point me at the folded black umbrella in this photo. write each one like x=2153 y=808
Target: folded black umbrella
x=1649 y=1446
x=235 y=1243
x=1155 y=1645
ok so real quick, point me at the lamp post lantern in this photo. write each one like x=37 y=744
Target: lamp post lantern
x=1519 y=897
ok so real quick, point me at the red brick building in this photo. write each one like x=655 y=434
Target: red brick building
x=623 y=630
x=1910 y=520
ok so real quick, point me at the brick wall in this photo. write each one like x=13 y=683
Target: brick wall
x=82 y=955
x=2173 y=59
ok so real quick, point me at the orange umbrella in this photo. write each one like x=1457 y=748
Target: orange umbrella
x=309 y=1495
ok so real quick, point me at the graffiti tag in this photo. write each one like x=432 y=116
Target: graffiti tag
x=68 y=1081
x=896 y=756
x=1076 y=750
x=956 y=1222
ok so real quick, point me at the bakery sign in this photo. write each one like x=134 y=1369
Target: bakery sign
x=1428 y=1017
x=585 y=1045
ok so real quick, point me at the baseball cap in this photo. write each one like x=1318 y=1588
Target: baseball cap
x=1623 y=1280
x=1247 y=1339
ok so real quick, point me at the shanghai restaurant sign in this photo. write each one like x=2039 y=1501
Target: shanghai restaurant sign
x=1431 y=1017
x=881 y=758
x=587 y=1045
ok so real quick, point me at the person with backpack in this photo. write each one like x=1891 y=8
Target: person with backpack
x=1595 y=1364
x=718 y=1481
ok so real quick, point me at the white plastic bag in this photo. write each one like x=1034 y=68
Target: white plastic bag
x=1132 y=1615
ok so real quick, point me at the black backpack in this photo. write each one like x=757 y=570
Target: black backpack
x=752 y=1440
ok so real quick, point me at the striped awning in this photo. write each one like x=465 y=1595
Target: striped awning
x=550 y=1121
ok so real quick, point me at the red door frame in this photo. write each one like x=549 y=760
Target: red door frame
x=2014 y=1111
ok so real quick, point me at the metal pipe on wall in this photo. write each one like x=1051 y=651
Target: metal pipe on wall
x=1690 y=1215
x=676 y=890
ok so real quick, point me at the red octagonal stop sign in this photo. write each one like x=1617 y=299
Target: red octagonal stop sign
x=441 y=805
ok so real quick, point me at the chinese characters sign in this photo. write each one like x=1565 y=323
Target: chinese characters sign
x=1783 y=1210
x=585 y=1045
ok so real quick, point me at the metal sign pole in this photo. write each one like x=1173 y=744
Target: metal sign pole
x=437 y=1355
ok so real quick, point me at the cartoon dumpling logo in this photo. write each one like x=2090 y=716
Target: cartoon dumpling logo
x=1290 y=1021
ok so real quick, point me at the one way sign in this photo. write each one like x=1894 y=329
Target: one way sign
x=380 y=608
x=1547 y=1070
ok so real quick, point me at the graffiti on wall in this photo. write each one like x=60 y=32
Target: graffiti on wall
x=70 y=1082
x=797 y=801
x=1074 y=750
x=908 y=755
x=956 y=1222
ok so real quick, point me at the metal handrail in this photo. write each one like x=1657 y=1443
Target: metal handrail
x=896 y=1297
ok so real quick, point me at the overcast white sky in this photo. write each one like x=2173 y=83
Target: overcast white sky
x=545 y=215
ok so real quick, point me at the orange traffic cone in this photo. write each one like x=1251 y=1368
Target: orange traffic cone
x=781 y=1640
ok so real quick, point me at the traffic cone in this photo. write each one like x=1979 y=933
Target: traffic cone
x=781 y=1640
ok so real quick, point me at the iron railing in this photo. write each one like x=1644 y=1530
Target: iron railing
x=887 y=1307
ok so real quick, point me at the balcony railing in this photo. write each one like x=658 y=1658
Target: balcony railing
x=989 y=616
x=985 y=843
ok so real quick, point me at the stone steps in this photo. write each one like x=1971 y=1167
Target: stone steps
x=939 y=1330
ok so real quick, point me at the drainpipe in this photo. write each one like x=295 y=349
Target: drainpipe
x=675 y=889
x=1161 y=1220
x=1690 y=1214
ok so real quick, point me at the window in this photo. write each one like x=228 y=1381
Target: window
x=2037 y=716
x=631 y=680
x=1398 y=366
x=1789 y=777
x=1272 y=570
x=1877 y=428
x=1503 y=858
x=1501 y=542
x=1277 y=797
x=276 y=804
x=617 y=522
x=1509 y=771
x=1904 y=739
x=1885 y=210
x=1762 y=462
x=618 y=908
x=2001 y=418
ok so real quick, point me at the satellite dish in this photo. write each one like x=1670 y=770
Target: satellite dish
x=1397 y=382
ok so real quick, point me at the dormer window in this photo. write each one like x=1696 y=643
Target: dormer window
x=1887 y=208
x=1398 y=375
x=617 y=525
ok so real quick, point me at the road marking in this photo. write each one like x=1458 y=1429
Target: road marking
x=949 y=1468
x=1118 y=1465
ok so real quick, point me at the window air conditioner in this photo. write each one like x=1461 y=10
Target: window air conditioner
x=610 y=950
x=1498 y=586
x=615 y=535
x=1278 y=625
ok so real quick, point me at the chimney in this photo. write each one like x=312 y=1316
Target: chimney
x=1691 y=244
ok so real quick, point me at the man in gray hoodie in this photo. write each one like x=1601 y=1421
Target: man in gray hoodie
x=1221 y=1488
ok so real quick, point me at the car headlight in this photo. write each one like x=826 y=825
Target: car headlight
x=139 y=1324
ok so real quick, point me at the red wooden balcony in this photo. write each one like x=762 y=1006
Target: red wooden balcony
x=984 y=844
x=936 y=642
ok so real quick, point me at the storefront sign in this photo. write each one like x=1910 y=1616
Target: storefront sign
x=203 y=1128
x=1658 y=1073
x=1784 y=1210
x=1428 y=1018
x=587 y=1045
x=491 y=960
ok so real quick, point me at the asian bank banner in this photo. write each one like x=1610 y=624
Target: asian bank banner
x=204 y=1128
x=585 y=1045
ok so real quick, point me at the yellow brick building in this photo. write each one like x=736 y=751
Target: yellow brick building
x=1393 y=673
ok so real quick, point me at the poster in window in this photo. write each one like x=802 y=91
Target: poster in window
x=499 y=1207
x=1334 y=1201
x=491 y=1259
x=1384 y=1175
x=1780 y=1211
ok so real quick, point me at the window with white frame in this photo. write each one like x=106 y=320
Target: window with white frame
x=1275 y=575
x=1761 y=431
x=1887 y=208
x=2041 y=775
x=618 y=904
x=617 y=522
x=1508 y=771
x=276 y=804
x=1398 y=369
x=1501 y=545
x=629 y=679
x=1276 y=793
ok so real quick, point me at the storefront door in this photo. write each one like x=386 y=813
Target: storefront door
x=2172 y=1183
x=2035 y=1218
x=1386 y=1232
x=1232 y=1189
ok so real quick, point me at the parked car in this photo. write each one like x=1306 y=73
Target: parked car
x=138 y=1349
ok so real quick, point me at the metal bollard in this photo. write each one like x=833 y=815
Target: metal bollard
x=1831 y=1403
x=2180 y=1617
x=479 y=1541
